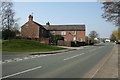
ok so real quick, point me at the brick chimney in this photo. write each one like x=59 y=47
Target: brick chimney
x=47 y=24
x=30 y=18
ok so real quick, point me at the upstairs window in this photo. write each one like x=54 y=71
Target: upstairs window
x=63 y=33
x=52 y=32
x=74 y=33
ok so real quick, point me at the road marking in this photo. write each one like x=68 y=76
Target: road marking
x=32 y=56
x=20 y=59
x=73 y=56
x=7 y=61
x=25 y=58
x=21 y=72
x=17 y=59
x=37 y=55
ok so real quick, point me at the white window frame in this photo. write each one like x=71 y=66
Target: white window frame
x=63 y=33
x=74 y=38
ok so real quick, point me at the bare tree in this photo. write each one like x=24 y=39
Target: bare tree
x=0 y=16
x=112 y=12
x=7 y=17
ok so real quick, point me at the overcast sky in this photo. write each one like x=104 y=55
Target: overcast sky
x=88 y=13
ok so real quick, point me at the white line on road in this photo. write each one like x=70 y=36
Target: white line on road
x=21 y=72
x=9 y=60
x=73 y=56
x=17 y=59
x=25 y=58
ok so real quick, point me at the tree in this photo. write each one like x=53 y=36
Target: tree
x=116 y=33
x=112 y=12
x=7 y=15
x=87 y=40
x=55 y=38
x=5 y=35
x=93 y=35
x=59 y=37
x=112 y=38
x=7 y=19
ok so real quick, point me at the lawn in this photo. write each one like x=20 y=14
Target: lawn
x=27 y=46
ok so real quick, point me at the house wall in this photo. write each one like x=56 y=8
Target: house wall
x=80 y=35
x=30 y=30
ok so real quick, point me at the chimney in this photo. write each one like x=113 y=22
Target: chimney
x=30 y=18
x=47 y=24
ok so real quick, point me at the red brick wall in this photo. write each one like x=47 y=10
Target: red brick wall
x=30 y=30
x=81 y=34
x=45 y=41
x=64 y=43
x=69 y=35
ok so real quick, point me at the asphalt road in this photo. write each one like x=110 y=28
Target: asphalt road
x=72 y=64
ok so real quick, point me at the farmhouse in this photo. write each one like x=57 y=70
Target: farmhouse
x=70 y=33
x=33 y=30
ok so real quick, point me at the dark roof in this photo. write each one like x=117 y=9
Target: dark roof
x=35 y=23
x=38 y=24
x=65 y=27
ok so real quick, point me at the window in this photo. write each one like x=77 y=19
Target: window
x=80 y=39
x=74 y=38
x=52 y=32
x=63 y=33
x=74 y=33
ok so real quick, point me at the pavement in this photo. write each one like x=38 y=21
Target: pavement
x=110 y=67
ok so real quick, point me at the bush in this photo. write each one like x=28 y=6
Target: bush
x=18 y=37
x=81 y=43
x=91 y=43
x=77 y=44
x=8 y=34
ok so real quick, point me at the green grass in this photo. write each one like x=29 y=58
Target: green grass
x=27 y=46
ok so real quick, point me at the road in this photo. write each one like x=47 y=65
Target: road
x=72 y=64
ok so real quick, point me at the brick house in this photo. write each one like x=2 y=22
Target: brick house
x=69 y=32
x=33 y=30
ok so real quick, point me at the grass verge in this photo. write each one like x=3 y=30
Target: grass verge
x=27 y=46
